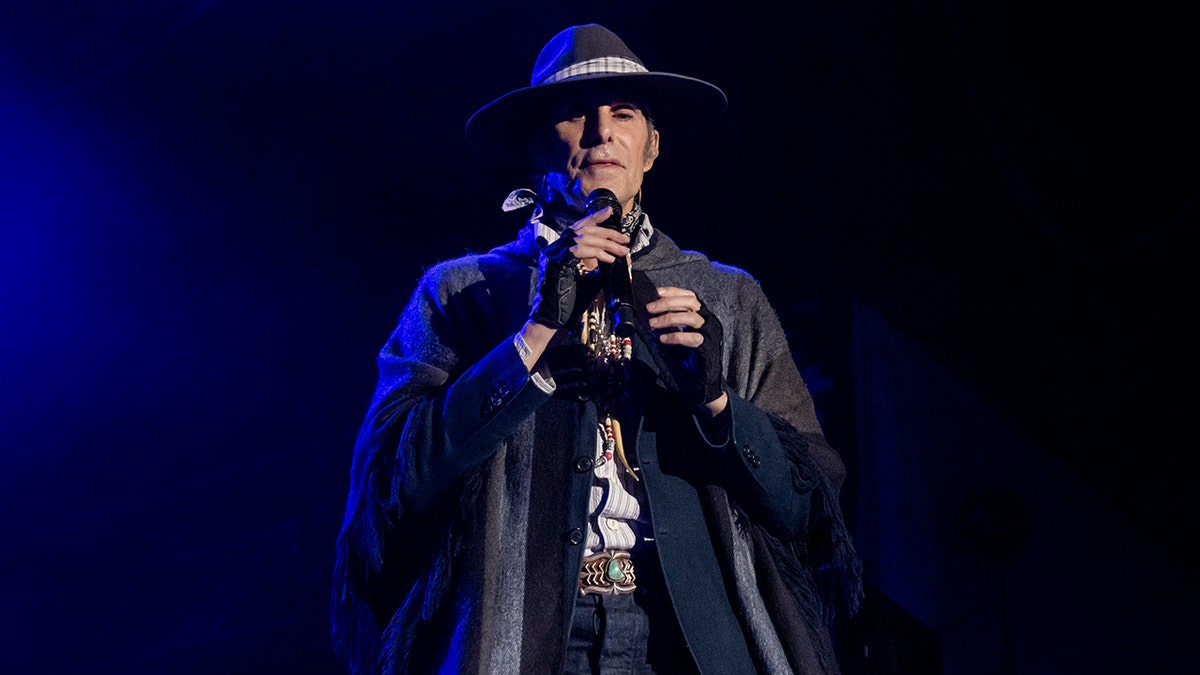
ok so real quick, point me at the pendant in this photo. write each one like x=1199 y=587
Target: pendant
x=614 y=572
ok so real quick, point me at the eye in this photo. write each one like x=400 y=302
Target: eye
x=570 y=111
x=625 y=111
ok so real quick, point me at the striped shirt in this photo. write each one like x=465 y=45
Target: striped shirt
x=617 y=515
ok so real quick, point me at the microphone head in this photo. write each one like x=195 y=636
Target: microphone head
x=601 y=197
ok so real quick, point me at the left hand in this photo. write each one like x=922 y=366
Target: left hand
x=692 y=337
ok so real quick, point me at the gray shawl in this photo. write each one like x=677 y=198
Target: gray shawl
x=439 y=571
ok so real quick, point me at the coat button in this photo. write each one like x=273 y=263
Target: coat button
x=751 y=457
x=576 y=536
x=499 y=395
x=583 y=464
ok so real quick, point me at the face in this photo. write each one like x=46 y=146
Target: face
x=599 y=142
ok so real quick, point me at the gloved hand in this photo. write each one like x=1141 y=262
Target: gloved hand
x=563 y=291
x=696 y=372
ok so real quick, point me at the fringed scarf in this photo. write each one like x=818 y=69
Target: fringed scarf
x=386 y=589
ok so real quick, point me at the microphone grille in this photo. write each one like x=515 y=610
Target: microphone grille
x=601 y=197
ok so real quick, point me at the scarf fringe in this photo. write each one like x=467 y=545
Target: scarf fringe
x=375 y=508
x=829 y=557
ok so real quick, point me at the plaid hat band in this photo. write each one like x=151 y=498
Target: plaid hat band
x=609 y=65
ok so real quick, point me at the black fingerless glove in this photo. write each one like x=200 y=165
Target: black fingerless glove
x=563 y=292
x=697 y=372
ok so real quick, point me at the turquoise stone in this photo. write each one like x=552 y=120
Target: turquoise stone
x=614 y=570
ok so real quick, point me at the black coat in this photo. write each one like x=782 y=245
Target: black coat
x=465 y=524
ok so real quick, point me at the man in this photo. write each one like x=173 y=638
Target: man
x=589 y=450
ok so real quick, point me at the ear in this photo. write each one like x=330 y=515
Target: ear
x=651 y=150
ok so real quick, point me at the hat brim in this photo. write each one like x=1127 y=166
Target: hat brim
x=503 y=129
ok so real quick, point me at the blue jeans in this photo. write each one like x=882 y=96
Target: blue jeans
x=626 y=633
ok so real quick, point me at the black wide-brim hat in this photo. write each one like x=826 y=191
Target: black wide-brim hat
x=577 y=59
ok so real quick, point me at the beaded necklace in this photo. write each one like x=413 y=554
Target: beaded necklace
x=608 y=365
x=608 y=361
x=608 y=354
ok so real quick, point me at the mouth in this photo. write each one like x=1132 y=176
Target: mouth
x=588 y=163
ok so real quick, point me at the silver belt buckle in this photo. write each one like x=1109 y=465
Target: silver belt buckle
x=607 y=572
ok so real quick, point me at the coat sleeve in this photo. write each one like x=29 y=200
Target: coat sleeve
x=758 y=463
x=776 y=412
x=444 y=402
x=752 y=459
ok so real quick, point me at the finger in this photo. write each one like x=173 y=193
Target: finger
x=673 y=299
x=597 y=217
x=673 y=291
x=596 y=222
x=590 y=243
x=681 y=320
x=599 y=249
x=599 y=238
x=681 y=338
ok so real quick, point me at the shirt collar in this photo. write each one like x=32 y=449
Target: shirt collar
x=546 y=224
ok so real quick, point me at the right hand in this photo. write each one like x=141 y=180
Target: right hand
x=565 y=288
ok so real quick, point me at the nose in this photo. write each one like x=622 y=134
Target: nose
x=598 y=129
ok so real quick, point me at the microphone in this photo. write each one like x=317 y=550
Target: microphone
x=598 y=199
x=618 y=276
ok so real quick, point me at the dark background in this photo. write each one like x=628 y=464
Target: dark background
x=212 y=212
